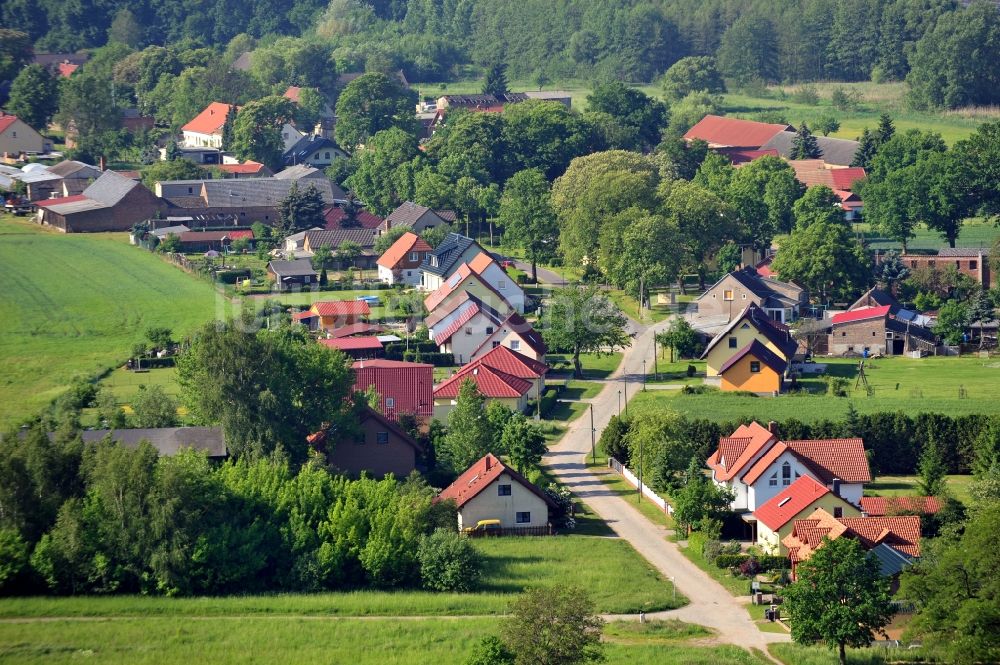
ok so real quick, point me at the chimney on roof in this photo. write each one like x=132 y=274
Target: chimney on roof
x=489 y=462
x=772 y=427
x=475 y=371
x=101 y=164
x=836 y=486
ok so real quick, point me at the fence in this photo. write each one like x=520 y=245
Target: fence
x=632 y=480
x=513 y=531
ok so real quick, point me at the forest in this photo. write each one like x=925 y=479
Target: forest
x=937 y=45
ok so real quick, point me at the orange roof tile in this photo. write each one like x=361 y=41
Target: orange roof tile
x=408 y=242
x=341 y=308
x=481 y=475
x=827 y=459
x=877 y=506
x=791 y=501
x=209 y=121
x=734 y=132
x=514 y=363
x=491 y=382
x=759 y=438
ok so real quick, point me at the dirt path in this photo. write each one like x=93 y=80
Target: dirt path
x=710 y=604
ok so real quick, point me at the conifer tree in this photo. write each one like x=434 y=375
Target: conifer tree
x=496 y=80
x=227 y=128
x=805 y=145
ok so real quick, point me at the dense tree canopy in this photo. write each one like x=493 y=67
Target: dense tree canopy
x=369 y=104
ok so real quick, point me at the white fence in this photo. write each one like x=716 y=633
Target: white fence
x=634 y=482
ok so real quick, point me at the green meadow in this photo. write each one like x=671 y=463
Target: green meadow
x=73 y=305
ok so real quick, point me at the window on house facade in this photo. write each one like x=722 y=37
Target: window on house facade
x=786 y=474
x=326 y=155
x=973 y=265
x=773 y=480
x=838 y=512
x=727 y=294
x=502 y=284
x=522 y=517
x=382 y=437
x=744 y=296
x=468 y=331
x=390 y=402
x=754 y=367
x=495 y=344
x=515 y=345
x=489 y=330
x=360 y=439
x=873 y=333
x=503 y=490
x=732 y=342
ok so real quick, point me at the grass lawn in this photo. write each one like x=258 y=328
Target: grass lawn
x=675 y=372
x=386 y=310
x=796 y=654
x=72 y=305
x=320 y=639
x=594 y=366
x=901 y=384
x=910 y=486
x=975 y=233
x=577 y=389
x=735 y=585
x=618 y=485
x=628 y=304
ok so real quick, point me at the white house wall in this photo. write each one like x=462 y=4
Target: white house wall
x=488 y=505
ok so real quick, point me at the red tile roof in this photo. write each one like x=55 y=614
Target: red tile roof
x=736 y=450
x=66 y=69
x=209 y=121
x=341 y=308
x=861 y=314
x=795 y=498
x=734 y=132
x=519 y=325
x=410 y=385
x=481 y=475
x=901 y=532
x=741 y=156
x=6 y=120
x=513 y=363
x=878 y=506
x=845 y=178
x=302 y=316
x=245 y=167
x=408 y=242
x=355 y=329
x=334 y=216
x=764 y=267
x=292 y=94
x=352 y=343
x=492 y=383
x=827 y=459
x=215 y=236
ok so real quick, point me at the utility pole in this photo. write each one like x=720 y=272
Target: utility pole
x=619 y=404
x=643 y=376
x=593 y=432
x=639 y=488
x=625 y=388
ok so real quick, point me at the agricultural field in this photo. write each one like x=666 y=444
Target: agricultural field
x=956 y=386
x=73 y=305
x=910 y=486
x=976 y=233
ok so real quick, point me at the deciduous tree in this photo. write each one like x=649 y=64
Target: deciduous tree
x=529 y=222
x=34 y=97
x=583 y=320
x=554 y=626
x=369 y=104
x=470 y=433
x=257 y=130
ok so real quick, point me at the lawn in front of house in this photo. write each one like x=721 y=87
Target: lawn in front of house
x=951 y=385
x=594 y=366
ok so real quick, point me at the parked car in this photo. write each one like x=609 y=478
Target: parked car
x=371 y=300
x=484 y=527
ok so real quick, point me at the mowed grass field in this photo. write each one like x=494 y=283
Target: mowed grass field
x=73 y=305
x=901 y=384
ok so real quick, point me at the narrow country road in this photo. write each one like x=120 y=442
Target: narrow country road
x=710 y=604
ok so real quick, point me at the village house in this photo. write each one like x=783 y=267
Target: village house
x=314 y=150
x=329 y=315
x=756 y=466
x=490 y=490
x=752 y=334
x=460 y=325
x=843 y=180
x=333 y=239
x=287 y=275
x=248 y=169
x=346 y=216
x=413 y=216
x=166 y=440
x=972 y=262
x=207 y=241
x=496 y=277
x=40 y=182
x=445 y=259
x=205 y=129
x=893 y=541
x=833 y=151
x=400 y=264
x=782 y=301
x=75 y=176
x=305 y=172
x=376 y=446
x=493 y=384
x=359 y=348
x=249 y=200
x=774 y=519
x=111 y=203
x=754 y=368
x=723 y=132
x=878 y=331
x=516 y=364
x=17 y=139
x=466 y=279
x=404 y=388
x=516 y=334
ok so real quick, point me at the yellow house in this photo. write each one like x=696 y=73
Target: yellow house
x=754 y=368
x=775 y=519
x=753 y=324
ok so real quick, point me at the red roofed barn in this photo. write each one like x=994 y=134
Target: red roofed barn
x=403 y=387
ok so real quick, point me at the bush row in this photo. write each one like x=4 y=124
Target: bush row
x=549 y=398
x=765 y=562
x=434 y=358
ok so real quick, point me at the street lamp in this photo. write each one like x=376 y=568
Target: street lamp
x=625 y=388
x=619 y=404
x=643 y=376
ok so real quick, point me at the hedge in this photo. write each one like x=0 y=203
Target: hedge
x=549 y=399
x=766 y=562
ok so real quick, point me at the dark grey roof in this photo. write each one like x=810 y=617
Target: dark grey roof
x=485 y=99
x=242 y=63
x=956 y=251
x=835 y=151
x=876 y=297
x=298 y=172
x=408 y=213
x=891 y=561
x=73 y=169
x=775 y=332
x=166 y=440
x=904 y=327
x=333 y=238
x=295 y=268
x=110 y=188
x=445 y=255
x=258 y=192
x=306 y=146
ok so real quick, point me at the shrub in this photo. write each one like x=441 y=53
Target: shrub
x=448 y=561
x=549 y=400
x=13 y=556
x=562 y=515
x=750 y=567
x=845 y=100
x=698 y=389
x=612 y=442
x=806 y=94
x=691 y=370
x=730 y=560
x=836 y=386
x=711 y=550
x=732 y=547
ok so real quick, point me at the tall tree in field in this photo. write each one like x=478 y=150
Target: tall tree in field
x=981 y=155
x=300 y=210
x=470 y=433
x=840 y=597
x=369 y=104
x=646 y=116
x=826 y=259
x=495 y=82
x=227 y=128
x=34 y=96
x=257 y=130
x=523 y=442
x=704 y=220
x=555 y=626
x=584 y=320
x=692 y=74
x=805 y=145
x=526 y=214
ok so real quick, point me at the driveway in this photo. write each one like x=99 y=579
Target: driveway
x=710 y=603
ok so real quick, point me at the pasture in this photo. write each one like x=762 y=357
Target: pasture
x=73 y=305
x=951 y=385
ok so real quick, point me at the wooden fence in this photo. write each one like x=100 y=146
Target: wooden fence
x=513 y=531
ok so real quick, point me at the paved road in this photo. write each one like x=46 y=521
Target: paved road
x=711 y=604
